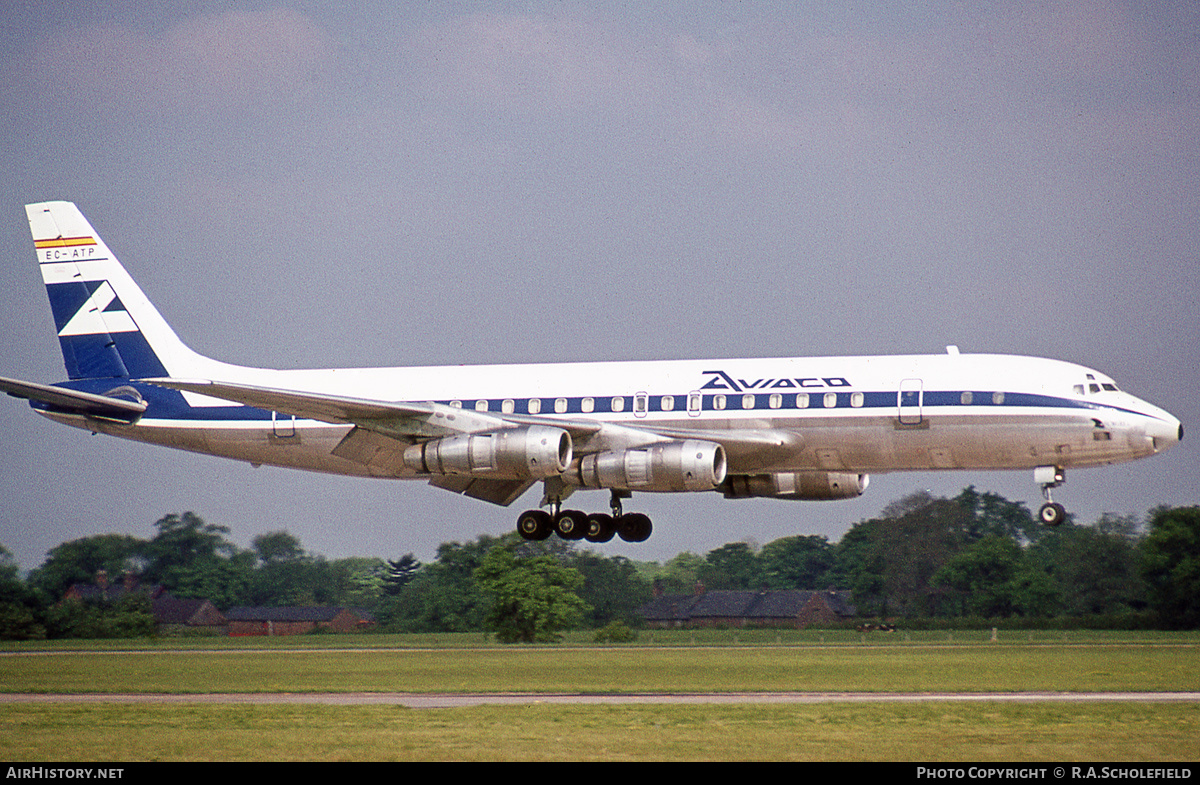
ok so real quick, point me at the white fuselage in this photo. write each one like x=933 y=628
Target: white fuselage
x=844 y=414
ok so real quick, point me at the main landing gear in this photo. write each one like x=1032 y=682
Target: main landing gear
x=576 y=525
x=1051 y=513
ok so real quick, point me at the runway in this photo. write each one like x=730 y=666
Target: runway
x=458 y=700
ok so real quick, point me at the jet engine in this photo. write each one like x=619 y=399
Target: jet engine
x=688 y=465
x=801 y=486
x=537 y=451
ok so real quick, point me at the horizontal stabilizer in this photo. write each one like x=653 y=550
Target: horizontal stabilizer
x=58 y=399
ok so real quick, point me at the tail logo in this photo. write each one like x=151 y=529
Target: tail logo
x=92 y=318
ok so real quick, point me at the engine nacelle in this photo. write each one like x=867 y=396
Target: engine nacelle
x=689 y=465
x=800 y=486
x=537 y=451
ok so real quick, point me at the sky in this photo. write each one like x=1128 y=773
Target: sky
x=327 y=184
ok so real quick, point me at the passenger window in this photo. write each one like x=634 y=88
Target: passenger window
x=718 y=401
x=535 y=405
x=997 y=398
x=509 y=406
x=456 y=404
x=748 y=401
x=560 y=405
x=588 y=404
x=856 y=400
x=775 y=401
x=618 y=404
x=668 y=403
x=802 y=400
x=481 y=406
x=967 y=398
x=830 y=400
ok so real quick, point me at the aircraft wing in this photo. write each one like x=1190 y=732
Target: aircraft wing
x=406 y=420
x=59 y=399
x=384 y=428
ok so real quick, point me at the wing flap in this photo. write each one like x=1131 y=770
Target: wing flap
x=501 y=492
x=382 y=455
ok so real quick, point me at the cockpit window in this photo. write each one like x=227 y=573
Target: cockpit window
x=1093 y=387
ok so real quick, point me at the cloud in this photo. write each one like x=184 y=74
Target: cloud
x=231 y=59
x=529 y=63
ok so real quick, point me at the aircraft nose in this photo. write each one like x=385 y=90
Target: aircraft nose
x=1165 y=432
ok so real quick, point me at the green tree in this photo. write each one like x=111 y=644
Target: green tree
x=612 y=587
x=732 y=566
x=356 y=581
x=185 y=539
x=532 y=598
x=129 y=617
x=993 y=515
x=443 y=596
x=1094 y=569
x=798 y=562
x=679 y=575
x=192 y=558
x=1171 y=565
x=984 y=576
x=859 y=566
x=277 y=546
x=79 y=561
x=888 y=562
x=400 y=572
x=289 y=582
x=17 y=603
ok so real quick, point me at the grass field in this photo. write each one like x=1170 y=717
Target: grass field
x=700 y=662
x=974 y=731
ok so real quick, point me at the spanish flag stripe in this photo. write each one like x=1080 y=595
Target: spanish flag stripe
x=64 y=242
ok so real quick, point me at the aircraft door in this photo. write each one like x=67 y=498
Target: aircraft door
x=909 y=401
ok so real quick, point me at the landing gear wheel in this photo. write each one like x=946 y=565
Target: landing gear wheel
x=1050 y=477
x=600 y=528
x=1052 y=513
x=634 y=527
x=535 y=525
x=570 y=524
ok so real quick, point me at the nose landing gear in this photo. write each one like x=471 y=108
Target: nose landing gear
x=1051 y=513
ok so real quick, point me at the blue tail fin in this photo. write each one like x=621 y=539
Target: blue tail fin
x=106 y=326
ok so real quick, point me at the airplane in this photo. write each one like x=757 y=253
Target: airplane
x=805 y=428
